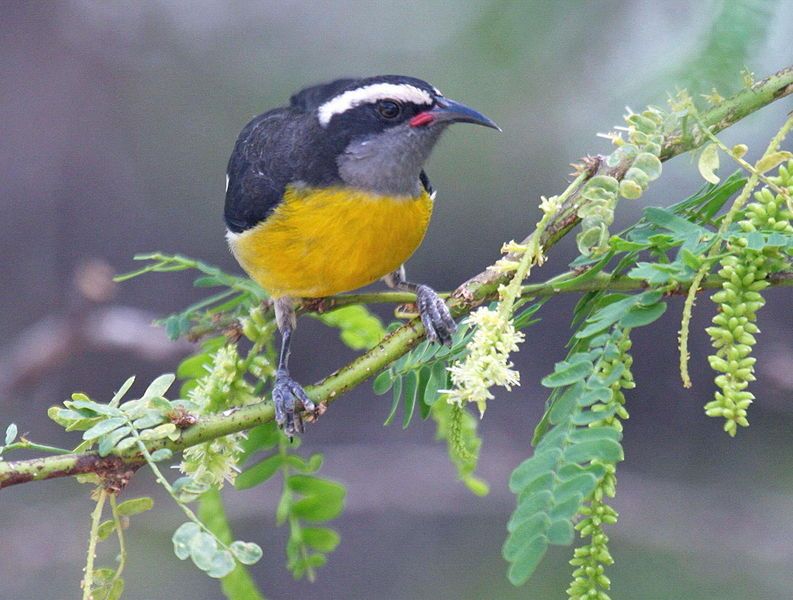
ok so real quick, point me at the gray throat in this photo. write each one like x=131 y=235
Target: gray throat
x=389 y=163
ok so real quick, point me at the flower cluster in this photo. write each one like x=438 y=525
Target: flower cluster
x=744 y=274
x=487 y=363
x=225 y=386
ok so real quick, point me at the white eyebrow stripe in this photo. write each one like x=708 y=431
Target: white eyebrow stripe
x=402 y=92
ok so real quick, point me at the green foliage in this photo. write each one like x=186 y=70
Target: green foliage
x=577 y=442
x=114 y=427
x=237 y=299
x=572 y=457
x=736 y=34
x=358 y=328
x=416 y=378
x=106 y=582
x=305 y=496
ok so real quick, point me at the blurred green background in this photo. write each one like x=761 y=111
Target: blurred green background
x=117 y=121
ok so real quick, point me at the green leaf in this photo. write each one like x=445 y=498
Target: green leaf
x=258 y=473
x=150 y=419
x=396 y=396
x=382 y=383
x=566 y=373
x=561 y=532
x=193 y=367
x=321 y=539
x=104 y=427
x=773 y=160
x=188 y=489
x=106 y=528
x=532 y=468
x=318 y=508
x=159 y=386
x=310 y=485
x=667 y=219
x=135 y=506
x=161 y=454
x=203 y=549
x=122 y=391
x=247 y=553
x=157 y=433
x=109 y=441
x=411 y=381
x=562 y=407
x=222 y=564
x=708 y=163
x=100 y=409
x=639 y=316
x=360 y=329
x=607 y=451
x=261 y=437
x=11 y=434
x=526 y=560
x=183 y=537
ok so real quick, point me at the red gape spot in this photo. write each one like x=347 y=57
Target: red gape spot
x=422 y=119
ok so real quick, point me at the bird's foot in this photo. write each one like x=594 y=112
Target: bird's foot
x=287 y=412
x=435 y=315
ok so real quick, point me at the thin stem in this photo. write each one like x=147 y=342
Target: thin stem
x=122 y=549
x=24 y=444
x=168 y=488
x=327 y=390
x=96 y=518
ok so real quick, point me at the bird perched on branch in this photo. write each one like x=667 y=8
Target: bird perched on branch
x=329 y=194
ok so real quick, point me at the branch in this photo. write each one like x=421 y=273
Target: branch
x=469 y=295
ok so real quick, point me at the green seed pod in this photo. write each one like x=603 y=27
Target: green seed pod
x=630 y=189
x=649 y=164
x=638 y=176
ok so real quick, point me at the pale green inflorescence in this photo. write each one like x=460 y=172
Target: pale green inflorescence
x=744 y=273
x=223 y=387
x=487 y=363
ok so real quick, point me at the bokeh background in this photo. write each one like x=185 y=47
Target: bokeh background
x=117 y=119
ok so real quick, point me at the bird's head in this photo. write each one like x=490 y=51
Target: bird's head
x=383 y=128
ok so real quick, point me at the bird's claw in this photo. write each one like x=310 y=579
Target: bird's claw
x=287 y=412
x=435 y=315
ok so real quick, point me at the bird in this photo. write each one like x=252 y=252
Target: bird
x=329 y=194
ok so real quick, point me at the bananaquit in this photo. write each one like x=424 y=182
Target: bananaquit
x=329 y=194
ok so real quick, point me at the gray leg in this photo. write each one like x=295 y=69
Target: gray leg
x=286 y=390
x=434 y=313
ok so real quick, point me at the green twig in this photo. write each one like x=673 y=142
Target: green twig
x=469 y=295
x=96 y=518
x=24 y=444
x=122 y=548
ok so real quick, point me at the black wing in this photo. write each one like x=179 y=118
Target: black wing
x=280 y=147
x=258 y=170
x=425 y=181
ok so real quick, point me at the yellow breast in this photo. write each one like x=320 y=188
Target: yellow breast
x=319 y=242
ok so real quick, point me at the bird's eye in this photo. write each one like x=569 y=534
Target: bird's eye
x=389 y=109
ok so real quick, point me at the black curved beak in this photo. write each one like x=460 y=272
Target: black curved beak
x=454 y=112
